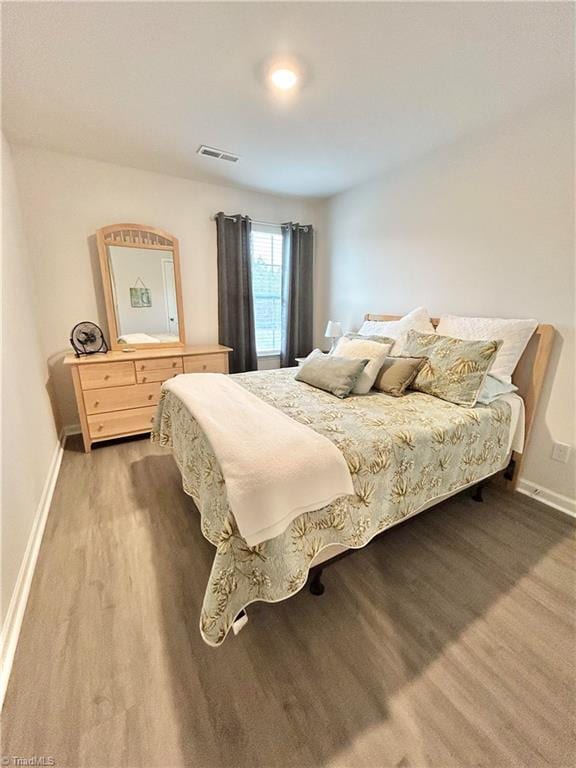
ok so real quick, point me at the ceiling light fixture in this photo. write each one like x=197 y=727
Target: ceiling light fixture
x=283 y=78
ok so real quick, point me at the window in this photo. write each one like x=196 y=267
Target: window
x=267 y=287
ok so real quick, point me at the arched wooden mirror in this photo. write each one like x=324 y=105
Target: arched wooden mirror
x=141 y=276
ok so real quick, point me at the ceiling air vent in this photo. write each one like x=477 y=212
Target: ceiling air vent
x=218 y=154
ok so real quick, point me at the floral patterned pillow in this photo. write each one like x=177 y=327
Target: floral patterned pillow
x=455 y=369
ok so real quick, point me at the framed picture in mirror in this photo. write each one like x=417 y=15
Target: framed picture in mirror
x=140 y=297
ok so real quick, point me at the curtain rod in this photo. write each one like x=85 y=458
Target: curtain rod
x=264 y=223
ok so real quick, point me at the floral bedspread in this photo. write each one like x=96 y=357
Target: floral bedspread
x=402 y=453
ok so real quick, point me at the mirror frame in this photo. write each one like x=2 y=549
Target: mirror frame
x=137 y=236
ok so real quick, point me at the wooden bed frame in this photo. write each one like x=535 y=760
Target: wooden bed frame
x=528 y=377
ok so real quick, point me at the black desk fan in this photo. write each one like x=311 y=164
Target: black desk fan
x=87 y=339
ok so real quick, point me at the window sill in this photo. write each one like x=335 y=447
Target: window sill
x=268 y=354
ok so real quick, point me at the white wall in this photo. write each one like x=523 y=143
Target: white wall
x=29 y=438
x=65 y=199
x=482 y=227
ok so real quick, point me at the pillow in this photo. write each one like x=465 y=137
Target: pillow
x=417 y=320
x=515 y=335
x=397 y=374
x=455 y=369
x=493 y=388
x=364 y=349
x=336 y=375
x=362 y=336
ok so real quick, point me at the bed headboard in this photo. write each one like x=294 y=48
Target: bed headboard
x=528 y=376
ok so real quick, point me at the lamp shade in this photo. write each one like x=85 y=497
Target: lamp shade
x=333 y=330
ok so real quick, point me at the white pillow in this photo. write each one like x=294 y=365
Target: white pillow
x=374 y=351
x=315 y=353
x=493 y=388
x=514 y=334
x=417 y=320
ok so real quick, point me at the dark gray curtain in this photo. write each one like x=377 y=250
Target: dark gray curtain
x=235 y=301
x=297 y=292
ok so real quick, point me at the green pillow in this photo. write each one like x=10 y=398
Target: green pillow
x=336 y=375
x=455 y=369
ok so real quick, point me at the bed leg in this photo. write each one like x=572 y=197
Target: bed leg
x=316 y=586
x=477 y=492
x=509 y=471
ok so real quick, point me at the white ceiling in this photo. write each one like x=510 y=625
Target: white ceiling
x=143 y=84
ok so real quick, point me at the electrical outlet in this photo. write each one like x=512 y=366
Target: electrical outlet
x=561 y=452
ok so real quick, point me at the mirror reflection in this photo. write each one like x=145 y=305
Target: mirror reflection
x=144 y=291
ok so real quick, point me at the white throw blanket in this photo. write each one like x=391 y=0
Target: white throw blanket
x=137 y=338
x=274 y=467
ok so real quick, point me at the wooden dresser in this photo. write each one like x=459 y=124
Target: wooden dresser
x=117 y=392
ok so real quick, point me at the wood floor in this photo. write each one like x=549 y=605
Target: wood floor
x=448 y=642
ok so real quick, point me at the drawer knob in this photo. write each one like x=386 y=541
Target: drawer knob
x=152 y=420
x=97 y=403
x=150 y=397
x=174 y=365
x=144 y=379
x=203 y=367
x=100 y=427
x=106 y=377
x=142 y=367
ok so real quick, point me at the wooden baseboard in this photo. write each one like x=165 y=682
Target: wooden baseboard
x=546 y=496
x=17 y=606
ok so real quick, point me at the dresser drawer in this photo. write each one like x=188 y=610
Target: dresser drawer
x=145 y=377
x=121 y=422
x=159 y=363
x=120 y=398
x=206 y=363
x=107 y=375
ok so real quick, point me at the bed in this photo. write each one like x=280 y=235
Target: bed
x=404 y=454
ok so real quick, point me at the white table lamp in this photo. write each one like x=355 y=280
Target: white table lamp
x=333 y=331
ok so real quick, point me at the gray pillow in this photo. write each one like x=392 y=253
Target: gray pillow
x=397 y=374
x=336 y=375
